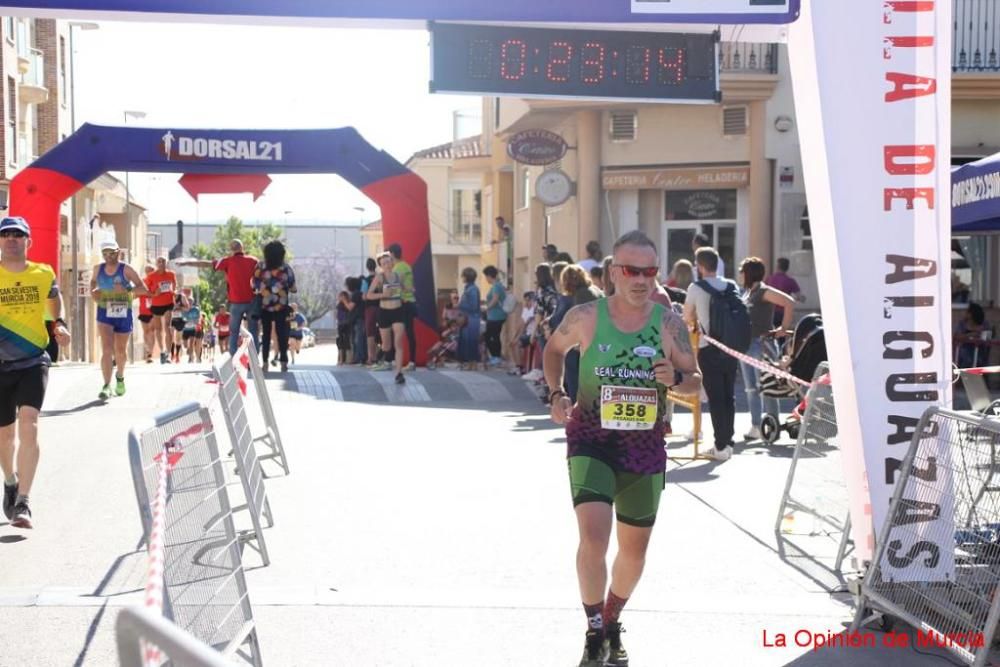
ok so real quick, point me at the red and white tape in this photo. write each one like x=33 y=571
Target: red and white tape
x=985 y=370
x=156 y=553
x=757 y=363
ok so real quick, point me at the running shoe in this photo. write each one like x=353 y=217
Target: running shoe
x=719 y=455
x=752 y=435
x=9 y=497
x=163 y=358
x=595 y=650
x=105 y=393
x=22 y=516
x=411 y=366
x=119 y=386
x=617 y=655
x=400 y=379
x=284 y=367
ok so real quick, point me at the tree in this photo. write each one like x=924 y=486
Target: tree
x=213 y=290
x=319 y=279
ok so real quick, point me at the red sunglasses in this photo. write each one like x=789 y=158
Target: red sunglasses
x=636 y=271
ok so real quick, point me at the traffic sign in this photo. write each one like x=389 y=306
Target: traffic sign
x=550 y=11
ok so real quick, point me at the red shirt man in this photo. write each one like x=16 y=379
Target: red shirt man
x=239 y=270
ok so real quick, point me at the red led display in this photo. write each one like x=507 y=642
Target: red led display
x=574 y=63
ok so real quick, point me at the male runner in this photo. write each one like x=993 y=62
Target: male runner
x=631 y=351
x=114 y=284
x=27 y=290
x=162 y=283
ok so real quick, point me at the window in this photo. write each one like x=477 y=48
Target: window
x=62 y=71
x=734 y=121
x=700 y=205
x=8 y=28
x=525 y=187
x=465 y=215
x=806 y=227
x=969 y=269
x=623 y=125
x=10 y=135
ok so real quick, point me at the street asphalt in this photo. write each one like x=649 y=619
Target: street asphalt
x=428 y=524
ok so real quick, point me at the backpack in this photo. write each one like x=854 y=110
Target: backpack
x=728 y=317
x=509 y=303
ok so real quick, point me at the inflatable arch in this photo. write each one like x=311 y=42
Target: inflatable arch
x=37 y=192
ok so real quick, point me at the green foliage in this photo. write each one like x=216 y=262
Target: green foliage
x=212 y=287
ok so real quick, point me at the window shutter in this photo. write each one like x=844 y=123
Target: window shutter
x=623 y=125
x=734 y=121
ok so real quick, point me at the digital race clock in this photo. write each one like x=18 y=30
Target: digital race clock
x=591 y=64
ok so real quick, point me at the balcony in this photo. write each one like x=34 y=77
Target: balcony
x=465 y=229
x=976 y=42
x=32 y=88
x=748 y=57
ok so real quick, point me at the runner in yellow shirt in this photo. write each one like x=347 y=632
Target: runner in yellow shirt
x=27 y=290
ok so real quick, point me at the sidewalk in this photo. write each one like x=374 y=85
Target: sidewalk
x=428 y=524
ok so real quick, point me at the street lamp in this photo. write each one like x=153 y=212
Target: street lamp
x=361 y=238
x=77 y=344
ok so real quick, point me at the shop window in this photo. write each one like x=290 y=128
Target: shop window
x=969 y=269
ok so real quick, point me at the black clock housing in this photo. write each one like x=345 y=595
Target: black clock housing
x=583 y=64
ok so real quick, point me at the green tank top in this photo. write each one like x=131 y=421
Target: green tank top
x=620 y=406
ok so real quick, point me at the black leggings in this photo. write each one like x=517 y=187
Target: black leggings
x=409 y=315
x=279 y=318
x=492 y=336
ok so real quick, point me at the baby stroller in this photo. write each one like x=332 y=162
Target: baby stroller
x=801 y=355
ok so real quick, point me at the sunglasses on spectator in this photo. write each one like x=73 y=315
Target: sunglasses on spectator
x=636 y=271
x=13 y=233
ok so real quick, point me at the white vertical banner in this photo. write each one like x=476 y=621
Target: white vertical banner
x=872 y=82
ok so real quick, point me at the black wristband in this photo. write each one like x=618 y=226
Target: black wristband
x=678 y=378
x=556 y=392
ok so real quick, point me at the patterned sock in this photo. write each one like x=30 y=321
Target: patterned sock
x=595 y=619
x=21 y=498
x=613 y=607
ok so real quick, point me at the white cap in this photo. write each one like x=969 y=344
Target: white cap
x=109 y=244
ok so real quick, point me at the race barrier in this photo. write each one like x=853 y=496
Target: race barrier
x=232 y=388
x=952 y=595
x=813 y=512
x=136 y=627
x=195 y=566
x=248 y=362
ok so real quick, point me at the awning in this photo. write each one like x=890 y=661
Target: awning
x=975 y=196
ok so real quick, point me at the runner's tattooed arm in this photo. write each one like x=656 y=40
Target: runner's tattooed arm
x=676 y=338
x=576 y=330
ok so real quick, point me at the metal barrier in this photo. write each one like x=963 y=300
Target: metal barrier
x=271 y=437
x=815 y=492
x=937 y=559
x=204 y=588
x=136 y=625
x=231 y=390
